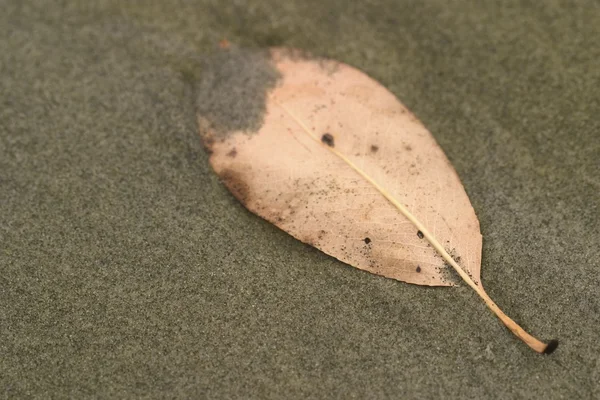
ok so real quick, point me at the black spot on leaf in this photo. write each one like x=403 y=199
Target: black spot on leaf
x=420 y=235
x=367 y=240
x=327 y=138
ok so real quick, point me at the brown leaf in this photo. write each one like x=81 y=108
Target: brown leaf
x=339 y=163
x=291 y=177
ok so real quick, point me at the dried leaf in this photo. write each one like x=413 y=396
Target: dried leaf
x=339 y=163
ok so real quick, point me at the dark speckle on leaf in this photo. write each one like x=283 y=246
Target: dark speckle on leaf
x=367 y=240
x=237 y=184
x=420 y=234
x=418 y=268
x=374 y=148
x=327 y=138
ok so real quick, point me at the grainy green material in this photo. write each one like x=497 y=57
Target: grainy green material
x=127 y=270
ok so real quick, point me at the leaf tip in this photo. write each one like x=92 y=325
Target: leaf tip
x=551 y=346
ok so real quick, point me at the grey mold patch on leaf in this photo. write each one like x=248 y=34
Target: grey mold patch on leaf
x=232 y=92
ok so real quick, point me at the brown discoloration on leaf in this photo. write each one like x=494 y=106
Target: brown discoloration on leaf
x=208 y=144
x=310 y=240
x=237 y=185
x=232 y=153
x=204 y=129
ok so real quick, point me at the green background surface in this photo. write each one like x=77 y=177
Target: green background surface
x=128 y=271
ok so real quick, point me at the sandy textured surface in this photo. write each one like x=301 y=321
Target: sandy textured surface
x=127 y=269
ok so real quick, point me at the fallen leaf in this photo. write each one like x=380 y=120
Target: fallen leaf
x=339 y=163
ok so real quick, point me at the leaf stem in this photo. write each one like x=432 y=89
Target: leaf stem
x=529 y=340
